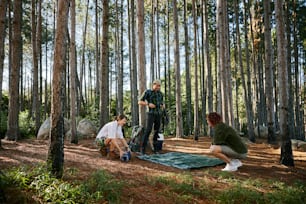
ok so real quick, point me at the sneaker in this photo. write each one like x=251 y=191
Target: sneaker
x=237 y=162
x=230 y=167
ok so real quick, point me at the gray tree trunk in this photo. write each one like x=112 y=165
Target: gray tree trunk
x=153 y=42
x=3 y=8
x=286 y=157
x=248 y=92
x=188 y=126
x=35 y=107
x=39 y=52
x=74 y=137
x=97 y=56
x=104 y=90
x=298 y=118
x=13 y=112
x=178 y=105
x=196 y=91
x=269 y=72
x=141 y=57
x=291 y=122
x=121 y=73
x=133 y=74
x=207 y=59
x=55 y=160
x=222 y=58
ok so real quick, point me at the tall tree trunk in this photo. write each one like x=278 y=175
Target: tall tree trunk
x=188 y=80
x=134 y=93
x=141 y=56
x=207 y=59
x=55 y=159
x=39 y=52
x=12 y=124
x=35 y=108
x=157 y=40
x=120 y=61
x=196 y=93
x=178 y=105
x=169 y=94
x=74 y=137
x=97 y=56
x=269 y=72
x=291 y=122
x=104 y=91
x=152 y=38
x=82 y=84
x=3 y=8
x=298 y=118
x=248 y=92
x=222 y=57
x=286 y=157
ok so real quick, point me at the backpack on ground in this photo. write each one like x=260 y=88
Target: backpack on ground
x=136 y=140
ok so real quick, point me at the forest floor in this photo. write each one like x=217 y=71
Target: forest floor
x=262 y=163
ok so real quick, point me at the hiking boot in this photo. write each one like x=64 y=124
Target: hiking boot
x=230 y=167
x=236 y=162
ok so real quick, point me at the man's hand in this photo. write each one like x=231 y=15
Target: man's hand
x=151 y=105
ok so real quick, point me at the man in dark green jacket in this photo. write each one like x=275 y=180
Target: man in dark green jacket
x=153 y=99
x=226 y=144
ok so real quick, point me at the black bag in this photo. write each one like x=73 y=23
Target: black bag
x=136 y=140
x=165 y=118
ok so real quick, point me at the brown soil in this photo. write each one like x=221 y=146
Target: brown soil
x=262 y=163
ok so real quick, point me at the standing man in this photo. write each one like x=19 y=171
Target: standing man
x=152 y=98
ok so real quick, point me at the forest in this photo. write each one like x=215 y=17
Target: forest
x=72 y=59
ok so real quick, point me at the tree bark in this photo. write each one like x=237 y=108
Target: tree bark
x=104 y=91
x=248 y=92
x=13 y=125
x=35 y=107
x=141 y=57
x=134 y=93
x=55 y=159
x=269 y=72
x=3 y=8
x=97 y=88
x=286 y=157
x=196 y=93
x=188 y=80
x=178 y=105
x=74 y=137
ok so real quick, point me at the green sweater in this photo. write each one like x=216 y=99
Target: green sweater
x=225 y=135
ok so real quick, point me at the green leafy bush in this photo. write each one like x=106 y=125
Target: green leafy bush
x=26 y=124
x=100 y=186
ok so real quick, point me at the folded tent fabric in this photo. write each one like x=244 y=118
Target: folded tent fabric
x=182 y=160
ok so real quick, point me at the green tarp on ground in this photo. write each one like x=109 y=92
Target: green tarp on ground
x=182 y=160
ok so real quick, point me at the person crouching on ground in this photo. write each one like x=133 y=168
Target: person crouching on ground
x=112 y=136
x=226 y=144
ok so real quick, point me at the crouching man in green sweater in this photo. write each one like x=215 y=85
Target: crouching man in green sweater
x=226 y=144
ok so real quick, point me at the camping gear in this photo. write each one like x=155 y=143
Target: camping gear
x=136 y=140
x=159 y=143
x=182 y=160
x=126 y=156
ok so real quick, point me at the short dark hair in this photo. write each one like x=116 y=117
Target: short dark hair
x=120 y=117
x=214 y=118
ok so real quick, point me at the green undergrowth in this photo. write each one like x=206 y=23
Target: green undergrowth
x=223 y=187
x=100 y=187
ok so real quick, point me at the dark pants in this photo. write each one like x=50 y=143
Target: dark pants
x=151 y=119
